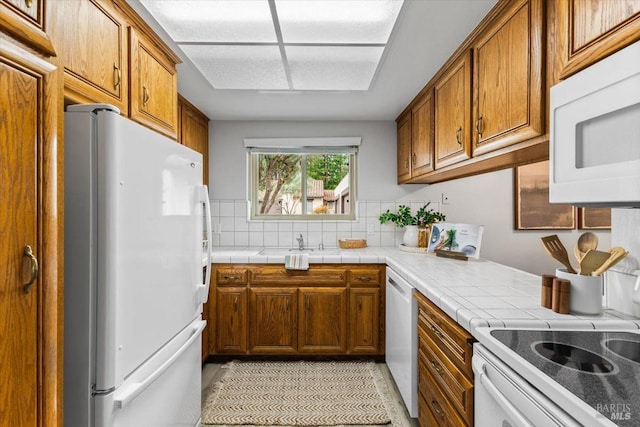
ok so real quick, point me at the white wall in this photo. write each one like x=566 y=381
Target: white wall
x=483 y=199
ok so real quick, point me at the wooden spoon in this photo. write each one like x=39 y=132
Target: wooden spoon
x=586 y=241
x=592 y=260
x=556 y=249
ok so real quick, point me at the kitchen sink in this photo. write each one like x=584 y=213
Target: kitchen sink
x=290 y=251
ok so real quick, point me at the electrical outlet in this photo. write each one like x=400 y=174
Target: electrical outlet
x=444 y=199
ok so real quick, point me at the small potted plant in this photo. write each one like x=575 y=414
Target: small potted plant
x=422 y=220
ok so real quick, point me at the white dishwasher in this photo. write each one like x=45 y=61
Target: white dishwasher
x=402 y=338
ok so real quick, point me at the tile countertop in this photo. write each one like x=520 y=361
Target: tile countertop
x=475 y=293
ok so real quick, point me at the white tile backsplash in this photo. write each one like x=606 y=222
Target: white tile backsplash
x=237 y=230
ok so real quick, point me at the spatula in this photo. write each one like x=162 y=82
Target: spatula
x=556 y=249
x=592 y=260
x=616 y=254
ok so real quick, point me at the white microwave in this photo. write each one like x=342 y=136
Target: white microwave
x=594 y=148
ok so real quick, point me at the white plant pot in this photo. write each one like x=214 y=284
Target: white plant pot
x=410 y=237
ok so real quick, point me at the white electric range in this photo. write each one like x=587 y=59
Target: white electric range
x=538 y=378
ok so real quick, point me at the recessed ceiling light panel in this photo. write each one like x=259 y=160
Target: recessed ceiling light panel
x=341 y=22
x=239 y=67
x=228 y=21
x=332 y=68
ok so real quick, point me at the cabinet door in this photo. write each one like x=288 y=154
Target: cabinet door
x=231 y=318
x=404 y=148
x=273 y=320
x=323 y=320
x=154 y=86
x=94 y=53
x=594 y=30
x=24 y=20
x=194 y=133
x=422 y=136
x=452 y=116
x=29 y=354
x=508 y=82
x=364 y=320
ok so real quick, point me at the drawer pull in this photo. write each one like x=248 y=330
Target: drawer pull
x=414 y=159
x=436 y=366
x=235 y=304
x=231 y=277
x=436 y=331
x=28 y=252
x=364 y=278
x=436 y=408
x=28 y=3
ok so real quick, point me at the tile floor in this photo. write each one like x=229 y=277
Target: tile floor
x=211 y=372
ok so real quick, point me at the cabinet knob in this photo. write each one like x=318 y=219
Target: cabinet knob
x=117 y=76
x=413 y=159
x=480 y=125
x=145 y=95
x=459 y=136
x=436 y=366
x=28 y=252
x=436 y=408
x=235 y=304
x=28 y=3
x=359 y=303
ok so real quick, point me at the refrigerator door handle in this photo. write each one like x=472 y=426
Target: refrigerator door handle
x=204 y=288
x=134 y=390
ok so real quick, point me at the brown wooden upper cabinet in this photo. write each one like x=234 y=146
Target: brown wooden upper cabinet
x=95 y=53
x=508 y=78
x=154 y=86
x=24 y=20
x=591 y=30
x=194 y=132
x=422 y=115
x=452 y=93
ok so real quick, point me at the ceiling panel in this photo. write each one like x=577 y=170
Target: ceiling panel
x=345 y=21
x=239 y=67
x=228 y=21
x=332 y=67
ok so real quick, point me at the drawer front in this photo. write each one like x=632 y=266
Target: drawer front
x=231 y=276
x=365 y=276
x=278 y=275
x=448 y=336
x=441 y=409
x=454 y=384
x=425 y=416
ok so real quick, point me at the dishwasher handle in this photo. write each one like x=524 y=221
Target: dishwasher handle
x=404 y=291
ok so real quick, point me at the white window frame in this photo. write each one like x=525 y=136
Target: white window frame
x=302 y=146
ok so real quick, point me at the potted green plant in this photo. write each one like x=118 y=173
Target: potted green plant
x=423 y=219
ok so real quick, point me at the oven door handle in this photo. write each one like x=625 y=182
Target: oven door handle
x=500 y=398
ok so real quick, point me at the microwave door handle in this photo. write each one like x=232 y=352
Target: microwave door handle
x=204 y=287
x=500 y=398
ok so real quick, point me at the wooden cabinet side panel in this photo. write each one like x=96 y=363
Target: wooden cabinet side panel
x=194 y=133
x=404 y=149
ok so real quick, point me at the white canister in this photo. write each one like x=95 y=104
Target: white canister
x=586 y=292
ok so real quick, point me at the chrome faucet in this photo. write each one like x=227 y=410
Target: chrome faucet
x=300 y=240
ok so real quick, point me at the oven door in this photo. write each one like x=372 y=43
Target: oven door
x=504 y=399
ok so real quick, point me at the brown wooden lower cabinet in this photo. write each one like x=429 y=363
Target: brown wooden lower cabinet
x=332 y=309
x=445 y=377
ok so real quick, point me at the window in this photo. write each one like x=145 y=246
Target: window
x=302 y=181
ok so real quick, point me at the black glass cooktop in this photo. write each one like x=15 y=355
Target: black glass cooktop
x=601 y=368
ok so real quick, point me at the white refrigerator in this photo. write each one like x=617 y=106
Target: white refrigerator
x=137 y=227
